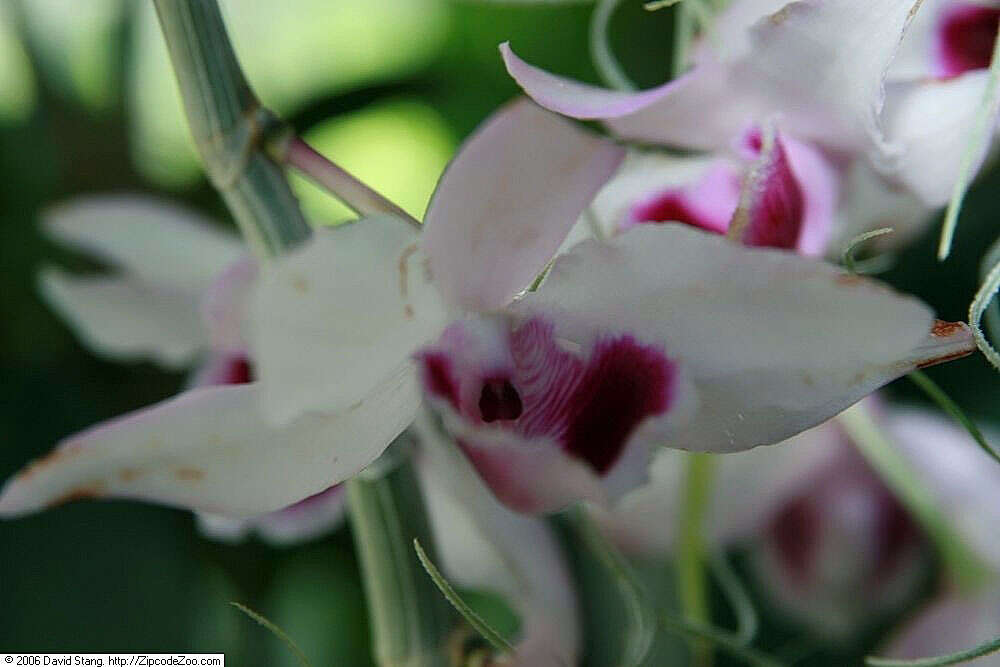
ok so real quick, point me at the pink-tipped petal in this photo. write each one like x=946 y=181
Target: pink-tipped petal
x=952 y=623
x=507 y=201
x=574 y=99
x=331 y=320
x=211 y=450
x=772 y=343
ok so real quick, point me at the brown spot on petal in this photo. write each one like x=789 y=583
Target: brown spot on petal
x=129 y=474
x=88 y=491
x=189 y=474
x=849 y=279
x=404 y=259
x=780 y=16
x=940 y=360
x=408 y=311
x=944 y=329
x=300 y=284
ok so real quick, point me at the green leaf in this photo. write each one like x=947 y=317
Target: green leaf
x=991 y=646
x=276 y=631
x=474 y=619
x=938 y=395
x=982 y=131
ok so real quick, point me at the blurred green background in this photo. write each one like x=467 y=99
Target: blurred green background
x=385 y=87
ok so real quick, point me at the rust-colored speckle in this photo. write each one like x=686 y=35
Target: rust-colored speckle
x=189 y=474
x=129 y=474
x=940 y=360
x=780 y=16
x=88 y=491
x=404 y=258
x=849 y=279
x=408 y=311
x=300 y=284
x=943 y=329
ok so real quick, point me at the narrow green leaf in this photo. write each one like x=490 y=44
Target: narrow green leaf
x=747 y=621
x=725 y=641
x=474 y=619
x=991 y=646
x=938 y=395
x=979 y=303
x=276 y=631
x=852 y=245
x=642 y=625
x=978 y=136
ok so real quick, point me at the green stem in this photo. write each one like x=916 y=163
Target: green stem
x=410 y=619
x=691 y=553
x=229 y=126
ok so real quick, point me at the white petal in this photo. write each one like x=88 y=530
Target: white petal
x=820 y=65
x=333 y=319
x=950 y=624
x=224 y=305
x=211 y=450
x=931 y=120
x=869 y=201
x=485 y=545
x=773 y=343
x=307 y=519
x=162 y=243
x=749 y=488
x=507 y=201
x=124 y=318
x=964 y=480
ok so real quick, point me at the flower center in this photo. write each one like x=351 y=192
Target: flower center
x=965 y=38
x=499 y=400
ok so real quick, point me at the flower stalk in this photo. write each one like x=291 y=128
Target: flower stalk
x=692 y=572
x=233 y=132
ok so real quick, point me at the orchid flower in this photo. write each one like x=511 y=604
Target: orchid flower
x=662 y=335
x=934 y=89
x=818 y=66
x=243 y=450
x=830 y=545
x=482 y=544
x=149 y=309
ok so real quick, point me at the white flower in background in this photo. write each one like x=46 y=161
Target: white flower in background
x=663 y=335
x=830 y=544
x=149 y=309
x=829 y=75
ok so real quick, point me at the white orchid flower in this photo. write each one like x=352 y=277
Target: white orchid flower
x=482 y=546
x=149 y=309
x=831 y=545
x=663 y=335
x=934 y=88
x=515 y=189
x=817 y=66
